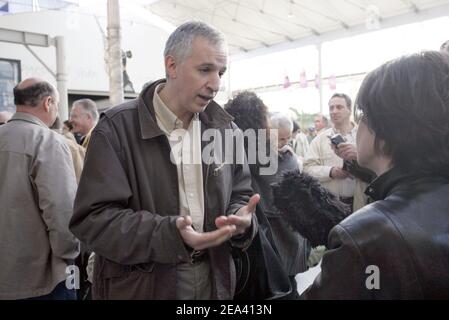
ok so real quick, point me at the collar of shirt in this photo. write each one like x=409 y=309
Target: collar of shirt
x=352 y=133
x=166 y=119
x=22 y=116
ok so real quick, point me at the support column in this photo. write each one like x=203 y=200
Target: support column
x=61 y=78
x=116 y=95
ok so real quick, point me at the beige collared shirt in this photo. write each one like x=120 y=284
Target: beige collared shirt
x=186 y=154
x=320 y=159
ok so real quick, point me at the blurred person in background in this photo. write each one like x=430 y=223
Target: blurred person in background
x=84 y=117
x=300 y=144
x=5 y=116
x=321 y=123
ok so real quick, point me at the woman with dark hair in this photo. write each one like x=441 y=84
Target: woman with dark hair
x=398 y=246
x=250 y=113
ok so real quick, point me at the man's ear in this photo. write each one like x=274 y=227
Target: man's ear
x=170 y=67
x=47 y=103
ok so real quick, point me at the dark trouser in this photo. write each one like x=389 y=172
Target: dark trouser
x=59 y=293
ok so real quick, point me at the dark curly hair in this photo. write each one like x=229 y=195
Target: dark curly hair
x=249 y=112
x=405 y=103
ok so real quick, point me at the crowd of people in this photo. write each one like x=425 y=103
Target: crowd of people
x=154 y=200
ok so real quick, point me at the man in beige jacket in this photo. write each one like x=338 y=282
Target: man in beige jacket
x=84 y=117
x=36 y=195
x=324 y=164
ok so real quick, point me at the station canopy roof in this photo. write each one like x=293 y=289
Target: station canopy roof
x=258 y=25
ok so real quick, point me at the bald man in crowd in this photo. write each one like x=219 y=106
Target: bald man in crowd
x=36 y=194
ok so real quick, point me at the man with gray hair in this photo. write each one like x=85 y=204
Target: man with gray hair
x=164 y=230
x=291 y=245
x=321 y=123
x=37 y=192
x=84 y=117
x=284 y=127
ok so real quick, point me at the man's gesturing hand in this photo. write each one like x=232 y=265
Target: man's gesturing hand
x=200 y=241
x=227 y=227
x=242 y=218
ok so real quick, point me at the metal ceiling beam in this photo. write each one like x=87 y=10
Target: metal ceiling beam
x=28 y=39
x=248 y=7
x=341 y=22
x=411 y=17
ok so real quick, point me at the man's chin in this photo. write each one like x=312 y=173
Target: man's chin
x=199 y=108
x=337 y=122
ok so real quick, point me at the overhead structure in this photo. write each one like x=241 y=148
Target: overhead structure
x=255 y=27
x=258 y=27
x=29 y=39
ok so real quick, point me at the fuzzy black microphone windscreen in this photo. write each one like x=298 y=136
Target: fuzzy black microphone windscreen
x=307 y=207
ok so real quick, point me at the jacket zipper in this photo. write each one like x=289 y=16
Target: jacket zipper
x=205 y=194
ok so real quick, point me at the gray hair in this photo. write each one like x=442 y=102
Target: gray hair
x=279 y=121
x=89 y=106
x=179 y=44
x=324 y=119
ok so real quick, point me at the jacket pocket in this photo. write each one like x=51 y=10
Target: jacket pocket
x=113 y=270
x=136 y=282
x=143 y=267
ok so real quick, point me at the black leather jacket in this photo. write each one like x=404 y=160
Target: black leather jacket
x=394 y=248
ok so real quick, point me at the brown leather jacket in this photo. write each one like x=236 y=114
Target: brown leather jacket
x=402 y=240
x=127 y=205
